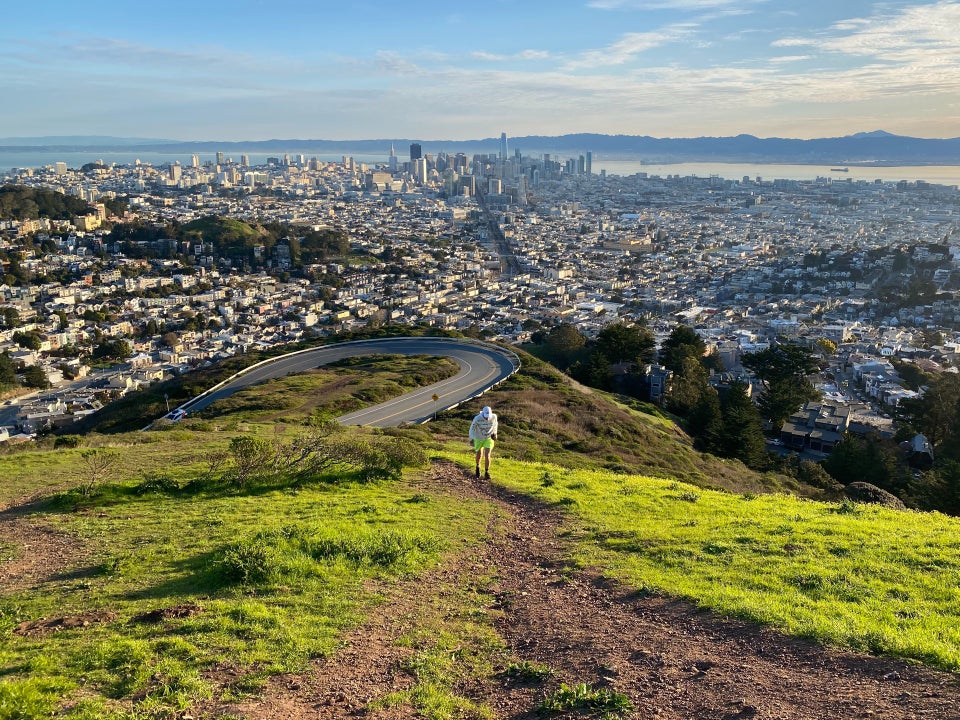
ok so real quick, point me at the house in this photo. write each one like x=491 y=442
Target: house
x=658 y=378
x=816 y=426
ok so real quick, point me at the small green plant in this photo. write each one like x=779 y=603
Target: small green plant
x=689 y=496
x=248 y=561
x=527 y=671
x=159 y=483
x=546 y=480
x=586 y=697
x=846 y=507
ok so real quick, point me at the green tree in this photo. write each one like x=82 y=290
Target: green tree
x=10 y=317
x=783 y=370
x=34 y=376
x=28 y=340
x=783 y=397
x=859 y=458
x=742 y=436
x=595 y=372
x=625 y=343
x=112 y=350
x=563 y=343
x=687 y=387
x=683 y=342
x=937 y=414
x=705 y=422
x=8 y=372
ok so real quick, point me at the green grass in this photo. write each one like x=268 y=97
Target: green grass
x=452 y=642
x=855 y=576
x=178 y=582
x=545 y=418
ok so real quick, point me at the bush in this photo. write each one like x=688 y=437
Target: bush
x=252 y=561
x=157 y=483
x=67 y=441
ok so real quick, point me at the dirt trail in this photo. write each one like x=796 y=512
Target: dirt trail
x=672 y=660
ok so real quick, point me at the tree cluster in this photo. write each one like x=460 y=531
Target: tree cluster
x=232 y=238
x=18 y=202
x=611 y=361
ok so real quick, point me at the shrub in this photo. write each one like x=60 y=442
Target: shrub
x=67 y=441
x=159 y=483
x=252 y=561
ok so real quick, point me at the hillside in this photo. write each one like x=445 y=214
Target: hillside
x=22 y=203
x=260 y=562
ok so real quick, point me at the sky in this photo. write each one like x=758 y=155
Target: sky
x=367 y=69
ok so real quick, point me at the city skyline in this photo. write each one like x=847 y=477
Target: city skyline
x=666 y=68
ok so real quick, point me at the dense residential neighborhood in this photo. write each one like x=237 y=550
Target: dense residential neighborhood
x=170 y=268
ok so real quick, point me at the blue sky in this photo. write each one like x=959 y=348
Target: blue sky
x=260 y=69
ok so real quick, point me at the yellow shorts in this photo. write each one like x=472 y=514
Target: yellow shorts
x=479 y=444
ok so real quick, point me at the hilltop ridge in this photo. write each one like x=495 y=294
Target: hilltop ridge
x=875 y=147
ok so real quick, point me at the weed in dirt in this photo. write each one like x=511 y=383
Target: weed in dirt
x=602 y=701
x=528 y=672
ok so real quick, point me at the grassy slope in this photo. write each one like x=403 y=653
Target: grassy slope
x=544 y=416
x=855 y=576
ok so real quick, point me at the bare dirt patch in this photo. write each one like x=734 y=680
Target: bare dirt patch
x=671 y=659
x=168 y=613
x=34 y=554
x=68 y=622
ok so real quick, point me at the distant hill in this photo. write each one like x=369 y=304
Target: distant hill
x=864 y=148
x=23 y=203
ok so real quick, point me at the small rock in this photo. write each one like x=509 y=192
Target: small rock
x=892 y=676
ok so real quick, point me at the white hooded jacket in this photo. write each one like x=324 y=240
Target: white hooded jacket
x=483 y=428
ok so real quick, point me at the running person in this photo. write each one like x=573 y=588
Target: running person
x=483 y=434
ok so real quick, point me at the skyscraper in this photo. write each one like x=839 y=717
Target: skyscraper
x=589 y=167
x=416 y=152
x=393 y=160
x=503 y=147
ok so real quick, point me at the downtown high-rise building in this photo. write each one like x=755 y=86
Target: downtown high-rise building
x=416 y=152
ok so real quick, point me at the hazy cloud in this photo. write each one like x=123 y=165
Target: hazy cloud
x=789 y=58
x=629 y=46
x=522 y=55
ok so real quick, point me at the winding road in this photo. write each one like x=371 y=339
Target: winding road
x=482 y=366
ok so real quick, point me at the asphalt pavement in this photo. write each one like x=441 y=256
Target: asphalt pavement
x=481 y=367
